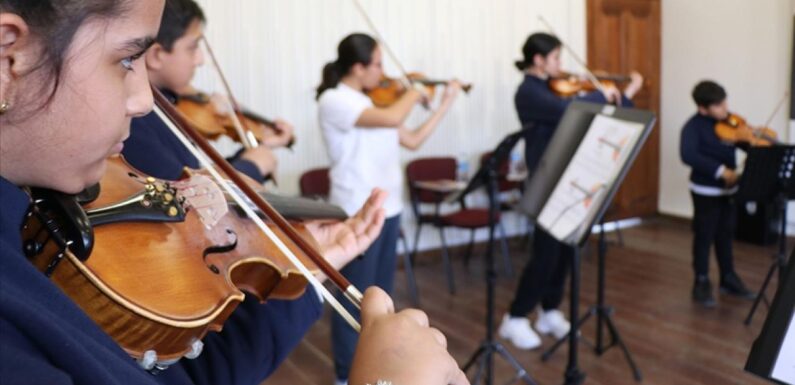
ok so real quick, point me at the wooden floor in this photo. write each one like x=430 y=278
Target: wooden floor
x=649 y=280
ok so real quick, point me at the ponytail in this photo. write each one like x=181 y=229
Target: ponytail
x=354 y=49
x=331 y=77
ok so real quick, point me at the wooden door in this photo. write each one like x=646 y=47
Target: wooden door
x=624 y=35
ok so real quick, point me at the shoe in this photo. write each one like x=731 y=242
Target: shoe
x=340 y=382
x=518 y=331
x=731 y=284
x=552 y=322
x=702 y=292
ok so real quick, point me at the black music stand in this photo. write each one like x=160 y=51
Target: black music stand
x=770 y=176
x=487 y=176
x=550 y=177
x=768 y=357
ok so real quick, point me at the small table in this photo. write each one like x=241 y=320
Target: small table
x=443 y=186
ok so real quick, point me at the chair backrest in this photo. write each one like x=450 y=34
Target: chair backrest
x=429 y=169
x=503 y=184
x=315 y=183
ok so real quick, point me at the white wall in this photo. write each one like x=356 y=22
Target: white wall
x=272 y=51
x=745 y=46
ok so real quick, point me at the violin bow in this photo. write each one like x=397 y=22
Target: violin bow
x=574 y=56
x=380 y=38
x=207 y=155
x=775 y=110
x=246 y=135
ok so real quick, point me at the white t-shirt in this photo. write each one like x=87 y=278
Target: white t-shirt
x=362 y=158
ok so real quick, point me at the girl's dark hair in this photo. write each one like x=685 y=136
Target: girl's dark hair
x=537 y=44
x=54 y=23
x=355 y=48
x=177 y=17
x=707 y=93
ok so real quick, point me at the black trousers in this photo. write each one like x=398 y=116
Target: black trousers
x=713 y=223
x=544 y=276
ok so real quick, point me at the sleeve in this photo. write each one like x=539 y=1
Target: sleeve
x=247 y=167
x=336 y=111
x=688 y=148
x=254 y=341
x=22 y=363
x=550 y=108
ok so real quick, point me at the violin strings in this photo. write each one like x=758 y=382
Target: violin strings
x=258 y=221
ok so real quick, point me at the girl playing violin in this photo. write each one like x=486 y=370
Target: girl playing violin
x=71 y=79
x=713 y=181
x=545 y=274
x=363 y=143
x=172 y=62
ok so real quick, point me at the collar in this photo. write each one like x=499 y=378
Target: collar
x=14 y=203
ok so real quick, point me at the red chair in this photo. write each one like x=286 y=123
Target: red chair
x=429 y=169
x=316 y=184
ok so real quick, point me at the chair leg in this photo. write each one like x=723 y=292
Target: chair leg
x=416 y=242
x=506 y=256
x=446 y=260
x=470 y=246
x=411 y=281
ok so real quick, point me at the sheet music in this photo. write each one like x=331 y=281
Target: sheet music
x=588 y=177
x=784 y=369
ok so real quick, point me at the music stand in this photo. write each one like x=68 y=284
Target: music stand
x=564 y=200
x=773 y=353
x=487 y=176
x=769 y=176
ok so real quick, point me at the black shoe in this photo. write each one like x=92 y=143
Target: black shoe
x=702 y=292
x=732 y=285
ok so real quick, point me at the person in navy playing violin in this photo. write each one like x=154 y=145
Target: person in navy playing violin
x=544 y=276
x=713 y=182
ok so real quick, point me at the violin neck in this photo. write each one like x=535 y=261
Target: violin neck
x=614 y=78
x=258 y=118
x=432 y=82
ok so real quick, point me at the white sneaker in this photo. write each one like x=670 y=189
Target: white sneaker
x=552 y=322
x=340 y=382
x=518 y=331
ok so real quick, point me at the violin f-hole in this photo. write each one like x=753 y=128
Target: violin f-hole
x=220 y=249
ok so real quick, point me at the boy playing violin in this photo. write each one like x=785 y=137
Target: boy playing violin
x=713 y=182
x=171 y=63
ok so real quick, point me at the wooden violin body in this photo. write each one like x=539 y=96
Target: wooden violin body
x=145 y=264
x=201 y=112
x=735 y=129
x=389 y=90
x=567 y=85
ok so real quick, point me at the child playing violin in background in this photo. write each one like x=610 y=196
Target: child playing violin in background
x=71 y=80
x=172 y=62
x=363 y=143
x=545 y=274
x=713 y=182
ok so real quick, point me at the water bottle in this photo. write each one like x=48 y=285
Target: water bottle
x=462 y=172
x=515 y=163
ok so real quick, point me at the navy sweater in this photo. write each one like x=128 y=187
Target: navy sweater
x=536 y=103
x=702 y=150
